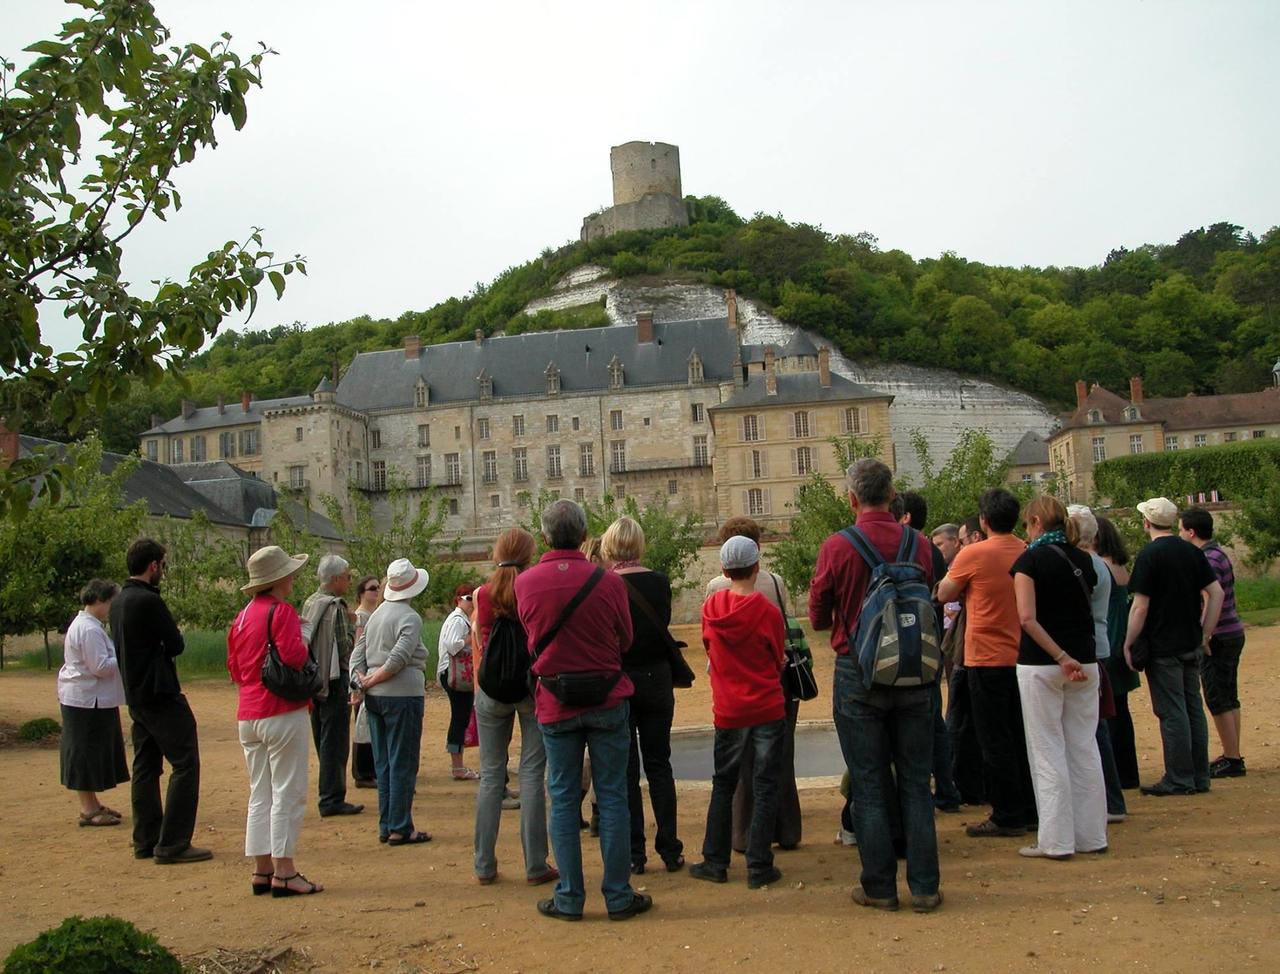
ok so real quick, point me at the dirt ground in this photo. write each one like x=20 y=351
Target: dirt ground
x=1191 y=883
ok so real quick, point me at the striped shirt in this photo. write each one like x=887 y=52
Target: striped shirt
x=1229 y=623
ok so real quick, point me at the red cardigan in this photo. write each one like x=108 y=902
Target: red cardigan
x=247 y=647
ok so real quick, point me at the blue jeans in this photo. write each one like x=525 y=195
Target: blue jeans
x=877 y=727
x=764 y=741
x=605 y=734
x=395 y=732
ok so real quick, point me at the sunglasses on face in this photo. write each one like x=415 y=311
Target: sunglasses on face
x=369 y=588
x=466 y=598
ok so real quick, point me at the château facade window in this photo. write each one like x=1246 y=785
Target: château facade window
x=553 y=380
x=616 y=370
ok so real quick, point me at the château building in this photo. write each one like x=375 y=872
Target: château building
x=681 y=409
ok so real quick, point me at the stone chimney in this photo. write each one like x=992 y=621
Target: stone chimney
x=246 y=398
x=188 y=409
x=1135 y=390
x=155 y=421
x=771 y=382
x=731 y=308
x=824 y=367
x=1082 y=393
x=644 y=327
x=8 y=444
x=222 y=406
x=770 y=360
x=479 y=336
x=737 y=370
x=412 y=346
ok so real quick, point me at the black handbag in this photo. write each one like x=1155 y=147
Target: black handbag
x=798 y=681
x=283 y=680
x=682 y=675
x=583 y=689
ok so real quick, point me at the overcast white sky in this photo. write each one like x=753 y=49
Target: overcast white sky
x=411 y=149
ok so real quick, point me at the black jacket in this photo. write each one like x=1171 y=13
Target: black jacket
x=147 y=640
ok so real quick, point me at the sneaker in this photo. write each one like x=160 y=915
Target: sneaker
x=1035 y=852
x=989 y=829
x=1162 y=790
x=859 y=896
x=846 y=838
x=926 y=904
x=709 y=873
x=764 y=879
x=1227 y=768
x=548 y=908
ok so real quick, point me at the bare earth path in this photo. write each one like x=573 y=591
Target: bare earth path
x=1191 y=884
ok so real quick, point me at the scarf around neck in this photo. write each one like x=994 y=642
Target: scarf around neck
x=1056 y=536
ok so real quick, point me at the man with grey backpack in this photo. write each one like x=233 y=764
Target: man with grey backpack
x=871 y=588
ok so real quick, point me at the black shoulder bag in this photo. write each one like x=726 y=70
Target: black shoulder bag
x=283 y=680
x=586 y=689
x=681 y=675
x=798 y=681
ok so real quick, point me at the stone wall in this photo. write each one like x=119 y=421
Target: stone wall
x=653 y=211
x=641 y=168
x=332 y=450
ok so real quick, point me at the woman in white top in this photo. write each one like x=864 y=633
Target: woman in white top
x=90 y=693
x=454 y=645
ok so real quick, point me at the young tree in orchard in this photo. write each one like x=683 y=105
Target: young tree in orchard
x=92 y=127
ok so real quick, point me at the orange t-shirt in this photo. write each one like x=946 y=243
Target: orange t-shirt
x=992 y=632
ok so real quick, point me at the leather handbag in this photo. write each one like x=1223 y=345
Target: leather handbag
x=283 y=680
x=798 y=681
x=682 y=675
x=575 y=689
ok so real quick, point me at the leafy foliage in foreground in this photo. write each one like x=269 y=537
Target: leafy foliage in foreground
x=91 y=946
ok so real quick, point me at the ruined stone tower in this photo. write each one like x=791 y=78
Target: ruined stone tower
x=646 y=191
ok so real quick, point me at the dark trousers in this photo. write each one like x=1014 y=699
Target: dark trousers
x=787 y=827
x=331 y=730
x=878 y=727
x=651 y=712
x=1123 y=745
x=765 y=741
x=997 y=717
x=1110 y=776
x=461 y=703
x=966 y=755
x=362 y=768
x=164 y=730
x=1174 y=682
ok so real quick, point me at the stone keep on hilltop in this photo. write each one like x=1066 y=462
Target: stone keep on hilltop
x=646 y=191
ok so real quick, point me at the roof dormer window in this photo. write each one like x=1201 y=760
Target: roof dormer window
x=695 y=369
x=1131 y=414
x=1095 y=415
x=485 y=385
x=420 y=394
x=615 y=373
x=553 y=379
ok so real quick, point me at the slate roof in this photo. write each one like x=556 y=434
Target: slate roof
x=1032 y=451
x=208 y=417
x=252 y=500
x=517 y=364
x=1186 y=413
x=159 y=486
x=800 y=344
x=798 y=387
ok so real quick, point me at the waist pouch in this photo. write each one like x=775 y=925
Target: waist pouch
x=581 y=689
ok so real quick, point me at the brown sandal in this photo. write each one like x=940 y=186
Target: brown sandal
x=99 y=818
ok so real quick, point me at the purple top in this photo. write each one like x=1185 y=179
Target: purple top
x=1229 y=623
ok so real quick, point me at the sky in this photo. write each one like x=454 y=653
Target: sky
x=411 y=150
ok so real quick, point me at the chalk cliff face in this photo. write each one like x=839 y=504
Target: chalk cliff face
x=940 y=403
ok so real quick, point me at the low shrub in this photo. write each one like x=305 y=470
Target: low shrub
x=39 y=729
x=91 y=946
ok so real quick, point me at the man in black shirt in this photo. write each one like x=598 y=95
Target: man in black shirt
x=164 y=728
x=1169 y=576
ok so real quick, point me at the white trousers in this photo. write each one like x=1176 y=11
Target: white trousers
x=1061 y=723
x=276 y=751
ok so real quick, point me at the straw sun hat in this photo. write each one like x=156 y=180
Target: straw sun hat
x=268 y=565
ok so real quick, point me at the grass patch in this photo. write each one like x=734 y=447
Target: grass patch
x=1261 y=617
x=1257 y=593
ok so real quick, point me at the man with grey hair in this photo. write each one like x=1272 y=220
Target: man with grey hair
x=330 y=630
x=578 y=622
x=880 y=725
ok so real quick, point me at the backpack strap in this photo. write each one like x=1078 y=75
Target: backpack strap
x=862 y=546
x=568 y=611
x=907 y=549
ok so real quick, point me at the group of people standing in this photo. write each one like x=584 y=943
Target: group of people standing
x=1043 y=647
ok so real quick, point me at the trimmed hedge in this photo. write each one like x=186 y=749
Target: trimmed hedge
x=1236 y=470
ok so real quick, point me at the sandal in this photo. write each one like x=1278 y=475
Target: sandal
x=465 y=774
x=413 y=838
x=260 y=889
x=112 y=811
x=99 y=818
x=287 y=890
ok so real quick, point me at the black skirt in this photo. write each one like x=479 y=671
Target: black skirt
x=92 y=750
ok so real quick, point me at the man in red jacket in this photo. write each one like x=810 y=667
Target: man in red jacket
x=743 y=634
